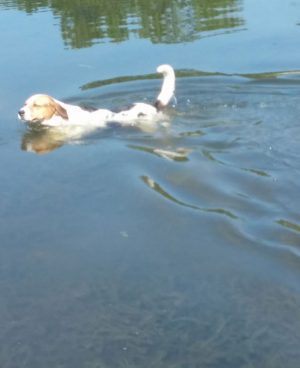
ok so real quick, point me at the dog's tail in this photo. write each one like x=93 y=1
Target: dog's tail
x=168 y=86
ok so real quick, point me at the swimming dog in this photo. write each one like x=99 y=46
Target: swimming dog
x=46 y=110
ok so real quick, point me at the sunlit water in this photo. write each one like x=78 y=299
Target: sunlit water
x=175 y=246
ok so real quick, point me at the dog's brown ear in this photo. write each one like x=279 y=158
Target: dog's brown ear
x=61 y=111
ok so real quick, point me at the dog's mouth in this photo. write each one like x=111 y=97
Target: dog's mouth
x=21 y=116
x=35 y=121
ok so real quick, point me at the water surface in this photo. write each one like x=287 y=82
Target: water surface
x=169 y=247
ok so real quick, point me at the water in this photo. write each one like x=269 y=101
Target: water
x=171 y=247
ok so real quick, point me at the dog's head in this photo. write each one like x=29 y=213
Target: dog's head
x=39 y=108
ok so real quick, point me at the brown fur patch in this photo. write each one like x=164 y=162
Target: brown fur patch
x=61 y=111
x=44 y=107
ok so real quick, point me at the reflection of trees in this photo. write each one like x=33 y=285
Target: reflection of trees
x=161 y=21
x=185 y=20
x=29 y=6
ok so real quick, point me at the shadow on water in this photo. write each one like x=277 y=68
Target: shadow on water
x=166 y=21
x=231 y=126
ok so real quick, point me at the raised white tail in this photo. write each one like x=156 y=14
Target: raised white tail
x=168 y=86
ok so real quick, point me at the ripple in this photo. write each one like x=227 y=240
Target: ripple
x=163 y=192
x=179 y=154
x=289 y=225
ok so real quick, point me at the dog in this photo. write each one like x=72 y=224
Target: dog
x=48 y=111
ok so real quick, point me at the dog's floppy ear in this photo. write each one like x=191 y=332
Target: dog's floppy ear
x=61 y=111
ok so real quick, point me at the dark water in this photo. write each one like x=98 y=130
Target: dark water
x=172 y=247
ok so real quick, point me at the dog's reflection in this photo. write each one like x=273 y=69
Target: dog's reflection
x=41 y=139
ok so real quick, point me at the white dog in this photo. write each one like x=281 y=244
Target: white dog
x=46 y=110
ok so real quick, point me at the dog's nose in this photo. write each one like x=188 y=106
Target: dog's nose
x=21 y=113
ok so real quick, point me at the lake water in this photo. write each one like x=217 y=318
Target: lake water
x=173 y=247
